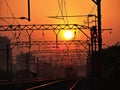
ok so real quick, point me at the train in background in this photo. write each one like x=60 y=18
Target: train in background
x=70 y=73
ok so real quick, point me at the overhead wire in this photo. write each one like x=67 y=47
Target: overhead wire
x=66 y=12
x=63 y=10
x=1 y=3
x=19 y=34
x=11 y=11
x=4 y=21
x=92 y=9
x=60 y=4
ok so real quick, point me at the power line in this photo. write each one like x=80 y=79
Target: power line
x=66 y=11
x=93 y=8
x=63 y=10
x=17 y=37
x=11 y=11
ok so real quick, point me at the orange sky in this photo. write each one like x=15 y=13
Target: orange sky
x=41 y=9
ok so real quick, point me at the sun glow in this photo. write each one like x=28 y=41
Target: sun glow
x=68 y=34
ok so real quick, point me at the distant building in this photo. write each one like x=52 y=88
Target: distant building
x=4 y=41
x=25 y=65
x=48 y=70
x=45 y=70
x=4 y=56
x=58 y=71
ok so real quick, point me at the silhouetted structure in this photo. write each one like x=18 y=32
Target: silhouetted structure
x=4 y=63
x=23 y=64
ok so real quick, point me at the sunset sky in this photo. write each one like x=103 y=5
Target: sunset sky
x=41 y=9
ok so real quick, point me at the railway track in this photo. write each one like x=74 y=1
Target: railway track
x=56 y=85
x=40 y=85
x=22 y=84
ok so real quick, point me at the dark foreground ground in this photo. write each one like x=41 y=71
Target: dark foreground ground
x=89 y=83
x=97 y=83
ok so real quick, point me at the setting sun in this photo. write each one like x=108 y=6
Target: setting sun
x=68 y=34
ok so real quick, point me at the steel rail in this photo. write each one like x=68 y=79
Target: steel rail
x=74 y=84
x=43 y=85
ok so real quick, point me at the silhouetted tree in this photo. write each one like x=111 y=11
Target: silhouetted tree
x=111 y=63
x=111 y=57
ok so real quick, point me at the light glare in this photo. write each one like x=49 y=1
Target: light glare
x=68 y=34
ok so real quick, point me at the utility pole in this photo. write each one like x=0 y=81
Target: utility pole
x=97 y=56
x=99 y=26
x=98 y=3
x=28 y=10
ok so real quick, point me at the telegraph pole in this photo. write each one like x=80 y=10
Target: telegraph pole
x=97 y=56
x=98 y=3
x=28 y=10
x=99 y=26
